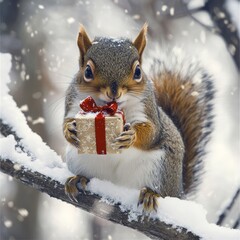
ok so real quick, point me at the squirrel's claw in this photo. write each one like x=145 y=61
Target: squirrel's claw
x=70 y=131
x=126 y=139
x=148 y=198
x=73 y=185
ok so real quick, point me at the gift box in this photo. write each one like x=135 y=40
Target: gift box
x=98 y=127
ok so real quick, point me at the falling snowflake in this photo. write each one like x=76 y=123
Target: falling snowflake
x=70 y=20
x=41 y=6
x=8 y=223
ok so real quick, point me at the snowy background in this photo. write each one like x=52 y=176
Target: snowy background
x=41 y=38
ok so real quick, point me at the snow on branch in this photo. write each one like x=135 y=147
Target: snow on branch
x=175 y=219
x=90 y=202
x=13 y=162
x=93 y=204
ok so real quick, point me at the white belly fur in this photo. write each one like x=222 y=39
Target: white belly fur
x=132 y=168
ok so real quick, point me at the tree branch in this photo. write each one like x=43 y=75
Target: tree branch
x=88 y=202
x=225 y=212
x=228 y=30
x=92 y=203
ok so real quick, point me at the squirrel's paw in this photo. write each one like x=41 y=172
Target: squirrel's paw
x=126 y=138
x=70 y=131
x=74 y=185
x=148 y=198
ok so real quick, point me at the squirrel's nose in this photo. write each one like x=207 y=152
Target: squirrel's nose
x=113 y=91
x=110 y=96
x=113 y=98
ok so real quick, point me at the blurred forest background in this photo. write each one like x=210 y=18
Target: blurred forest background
x=41 y=36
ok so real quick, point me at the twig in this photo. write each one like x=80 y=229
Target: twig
x=228 y=208
x=228 y=30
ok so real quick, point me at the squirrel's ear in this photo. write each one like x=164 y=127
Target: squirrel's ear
x=140 y=42
x=84 y=43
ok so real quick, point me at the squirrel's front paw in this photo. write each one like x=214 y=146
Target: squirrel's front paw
x=70 y=131
x=126 y=138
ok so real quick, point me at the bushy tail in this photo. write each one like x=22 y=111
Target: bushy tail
x=185 y=93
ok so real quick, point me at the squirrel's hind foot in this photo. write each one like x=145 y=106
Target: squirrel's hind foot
x=148 y=198
x=74 y=185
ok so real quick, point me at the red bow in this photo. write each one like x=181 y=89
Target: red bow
x=89 y=105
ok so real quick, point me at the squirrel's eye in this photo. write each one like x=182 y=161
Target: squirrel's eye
x=88 y=74
x=137 y=74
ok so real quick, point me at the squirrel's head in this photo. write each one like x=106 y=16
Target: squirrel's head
x=111 y=68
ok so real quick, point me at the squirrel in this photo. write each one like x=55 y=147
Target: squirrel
x=169 y=120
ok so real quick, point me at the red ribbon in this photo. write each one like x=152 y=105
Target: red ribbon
x=89 y=105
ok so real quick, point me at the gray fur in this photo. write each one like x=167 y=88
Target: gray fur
x=167 y=178
x=113 y=58
x=71 y=94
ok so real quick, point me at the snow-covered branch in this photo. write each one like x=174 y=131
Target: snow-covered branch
x=92 y=203
x=176 y=219
x=153 y=229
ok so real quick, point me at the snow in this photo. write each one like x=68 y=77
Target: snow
x=13 y=116
x=179 y=213
x=24 y=108
x=8 y=151
x=23 y=212
x=8 y=223
x=38 y=120
x=164 y=8
x=71 y=20
x=187 y=214
x=41 y=7
x=172 y=10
